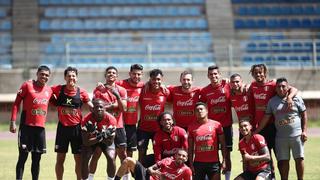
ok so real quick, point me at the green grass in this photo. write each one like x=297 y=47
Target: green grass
x=9 y=155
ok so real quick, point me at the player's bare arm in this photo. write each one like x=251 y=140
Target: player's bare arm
x=304 y=120
x=263 y=123
x=222 y=142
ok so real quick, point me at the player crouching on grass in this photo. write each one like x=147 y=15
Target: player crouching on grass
x=168 y=168
x=98 y=129
x=255 y=154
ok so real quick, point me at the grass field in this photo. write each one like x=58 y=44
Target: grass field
x=9 y=154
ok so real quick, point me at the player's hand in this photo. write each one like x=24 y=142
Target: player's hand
x=13 y=127
x=100 y=86
x=304 y=137
x=99 y=136
x=91 y=127
x=223 y=167
x=290 y=103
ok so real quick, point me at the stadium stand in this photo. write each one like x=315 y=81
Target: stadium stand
x=5 y=34
x=166 y=33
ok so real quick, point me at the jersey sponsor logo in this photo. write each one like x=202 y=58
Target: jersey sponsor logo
x=40 y=101
x=153 y=108
x=133 y=99
x=243 y=107
x=204 y=148
x=169 y=175
x=285 y=122
x=150 y=117
x=262 y=96
x=170 y=152
x=188 y=102
x=38 y=112
x=217 y=110
x=185 y=113
x=206 y=137
x=261 y=107
x=221 y=99
x=69 y=111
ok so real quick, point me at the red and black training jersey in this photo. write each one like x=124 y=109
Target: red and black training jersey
x=69 y=104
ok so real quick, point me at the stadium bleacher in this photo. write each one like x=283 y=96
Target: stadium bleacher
x=166 y=33
x=5 y=35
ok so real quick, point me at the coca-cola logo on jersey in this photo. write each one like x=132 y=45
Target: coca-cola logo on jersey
x=204 y=137
x=244 y=107
x=152 y=108
x=40 y=101
x=133 y=99
x=260 y=96
x=189 y=102
x=218 y=100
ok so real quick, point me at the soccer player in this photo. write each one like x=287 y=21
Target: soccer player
x=291 y=126
x=262 y=91
x=98 y=131
x=69 y=100
x=217 y=97
x=204 y=138
x=241 y=99
x=133 y=85
x=183 y=98
x=169 y=138
x=173 y=168
x=152 y=101
x=35 y=95
x=255 y=154
x=115 y=98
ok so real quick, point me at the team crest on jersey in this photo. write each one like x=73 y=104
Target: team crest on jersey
x=46 y=93
x=222 y=90
x=210 y=128
x=161 y=98
x=266 y=88
x=175 y=138
x=19 y=91
x=252 y=146
x=245 y=98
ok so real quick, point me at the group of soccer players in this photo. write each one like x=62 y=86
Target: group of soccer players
x=126 y=114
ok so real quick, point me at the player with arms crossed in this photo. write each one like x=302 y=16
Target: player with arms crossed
x=35 y=95
x=98 y=130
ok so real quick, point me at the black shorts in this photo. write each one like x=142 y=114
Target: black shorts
x=121 y=139
x=143 y=138
x=32 y=139
x=131 y=133
x=203 y=169
x=228 y=135
x=140 y=172
x=66 y=135
x=269 y=134
x=265 y=173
